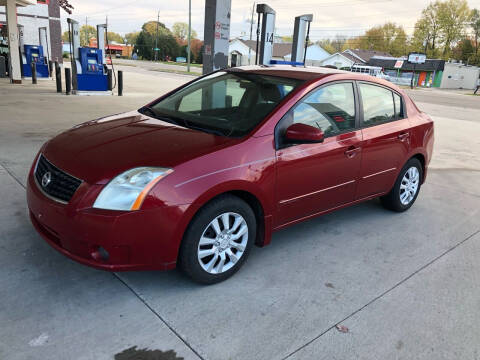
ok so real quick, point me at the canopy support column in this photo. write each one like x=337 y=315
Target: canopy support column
x=13 y=44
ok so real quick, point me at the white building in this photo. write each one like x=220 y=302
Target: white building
x=44 y=14
x=240 y=51
x=349 y=57
x=339 y=60
x=315 y=55
x=459 y=76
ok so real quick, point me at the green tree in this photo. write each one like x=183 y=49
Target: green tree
x=113 y=36
x=452 y=17
x=338 y=42
x=131 y=38
x=475 y=25
x=427 y=29
x=65 y=36
x=145 y=42
x=333 y=45
x=86 y=33
x=464 y=50
x=180 y=31
x=388 y=37
x=326 y=45
x=151 y=28
x=144 y=45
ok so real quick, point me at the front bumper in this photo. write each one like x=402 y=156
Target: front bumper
x=134 y=240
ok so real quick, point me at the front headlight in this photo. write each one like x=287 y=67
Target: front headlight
x=128 y=190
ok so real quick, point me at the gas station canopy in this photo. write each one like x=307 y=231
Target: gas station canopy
x=13 y=40
x=19 y=2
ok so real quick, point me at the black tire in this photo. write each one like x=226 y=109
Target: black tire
x=188 y=258
x=392 y=201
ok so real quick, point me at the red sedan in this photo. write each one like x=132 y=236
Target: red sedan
x=198 y=176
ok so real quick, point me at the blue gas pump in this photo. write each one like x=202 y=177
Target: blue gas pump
x=34 y=54
x=92 y=76
x=89 y=74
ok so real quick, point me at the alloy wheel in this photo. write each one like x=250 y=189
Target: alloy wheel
x=223 y=242
x=409 y=185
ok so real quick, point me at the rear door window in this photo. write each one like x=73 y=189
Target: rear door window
x=378 y=106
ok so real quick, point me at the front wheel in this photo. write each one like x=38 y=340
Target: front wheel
x=406 y=188
x=218 y=240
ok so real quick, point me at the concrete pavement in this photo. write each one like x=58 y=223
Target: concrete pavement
x=403 y=284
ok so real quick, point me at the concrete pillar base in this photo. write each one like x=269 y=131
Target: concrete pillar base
x=16 y=81
x=13 y=43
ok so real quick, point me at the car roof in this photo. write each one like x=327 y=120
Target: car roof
x=306 y=73
x=290 y=71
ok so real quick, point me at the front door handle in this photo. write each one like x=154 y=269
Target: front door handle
x=352 y=151
x=403 y=136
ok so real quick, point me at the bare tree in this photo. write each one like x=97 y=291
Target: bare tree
x=65 y=5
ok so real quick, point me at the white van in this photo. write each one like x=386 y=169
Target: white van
x=376 y=71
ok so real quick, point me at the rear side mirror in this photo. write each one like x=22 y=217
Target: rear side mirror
x=303 y=133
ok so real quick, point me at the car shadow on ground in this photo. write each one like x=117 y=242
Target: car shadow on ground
x=284 y=241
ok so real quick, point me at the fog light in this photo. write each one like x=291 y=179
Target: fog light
x=100 y=254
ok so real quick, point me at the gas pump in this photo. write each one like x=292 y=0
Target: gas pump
x=301 y=31
x=34 y=54
x=88 y=70
x=90 y=75
x=264 y=51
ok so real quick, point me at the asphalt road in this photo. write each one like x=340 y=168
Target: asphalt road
x=450 y=98
x=156 y=66
x=401 y=286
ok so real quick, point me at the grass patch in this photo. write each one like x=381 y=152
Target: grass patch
x=180 y=64
x=122 y=64
x=177 y=72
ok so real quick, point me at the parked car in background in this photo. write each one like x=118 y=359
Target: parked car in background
x=197 y=177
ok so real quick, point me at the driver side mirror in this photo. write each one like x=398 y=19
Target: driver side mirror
x=302 y=133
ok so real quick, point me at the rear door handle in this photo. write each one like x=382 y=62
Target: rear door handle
x=403 y=136
x=352 y=151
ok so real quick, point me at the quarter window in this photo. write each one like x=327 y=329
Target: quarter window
x=377 y=104
x=398 y=106
x=330 y=108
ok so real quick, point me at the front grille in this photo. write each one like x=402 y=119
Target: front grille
x=61 y=186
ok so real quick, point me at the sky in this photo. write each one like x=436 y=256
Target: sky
x=345 y=18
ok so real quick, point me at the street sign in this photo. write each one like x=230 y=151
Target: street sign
x=156 y=49
x=417 y=58
x=398 y=64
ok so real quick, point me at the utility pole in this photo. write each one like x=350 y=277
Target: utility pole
x=189 y=33
x=251 y=30
x=156 y=37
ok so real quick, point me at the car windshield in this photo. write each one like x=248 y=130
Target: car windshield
x=224 y=103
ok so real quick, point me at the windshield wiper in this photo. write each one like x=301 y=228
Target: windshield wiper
x=149 y=110
x=188 y=124
x=210 y=131
x=182 y=122
x=154 y=114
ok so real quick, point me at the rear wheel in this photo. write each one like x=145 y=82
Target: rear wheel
x=218 y=240
x=406 y=188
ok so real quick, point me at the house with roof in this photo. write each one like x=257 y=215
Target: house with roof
x=348 y=57
x=243 y=52
x=315 y=55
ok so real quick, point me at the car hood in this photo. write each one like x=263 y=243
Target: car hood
x=98 y=150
